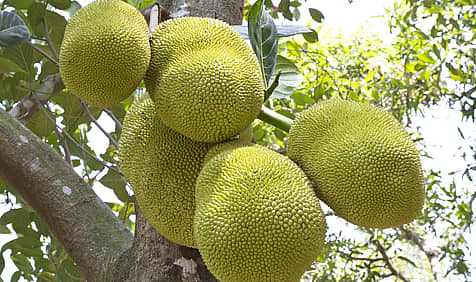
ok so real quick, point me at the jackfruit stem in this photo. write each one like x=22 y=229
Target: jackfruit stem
x=276 y=119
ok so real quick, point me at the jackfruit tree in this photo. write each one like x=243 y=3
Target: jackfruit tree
x=228 y=152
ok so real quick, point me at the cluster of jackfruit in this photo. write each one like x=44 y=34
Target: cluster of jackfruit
x=252 y=213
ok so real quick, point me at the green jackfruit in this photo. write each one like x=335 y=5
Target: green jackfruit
x=363 y=163
x=105 y=52
x=257 y=216
x=161 y=165
x=204 y=78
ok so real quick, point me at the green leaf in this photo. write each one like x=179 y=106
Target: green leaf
x=284 y=9
x=289 y=80
x=407 y=260
x=46 y=277
x=41 y=125
x=114 y=181
x=8 y=66
x=4 y=230
x=36 y=12
x=13 y=30
x=56 y=25
x=263 y=39
x=20 y=4
x=16 y=276
x=19 y=218
x=425 y=57
x=60 y=4
x=311 y=37
x=316 y=15
x=23 y=56
x=69 y=271
x=45 y=264
x=22 y=263
x=2 y=263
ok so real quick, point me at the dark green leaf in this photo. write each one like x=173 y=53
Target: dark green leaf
x=45 y=264
x=2 y=263
x=21 y=4
x=23 y=56
x=114 y=181
x=263 y=39
x=41 y=125
x=19 y=218
x=407 y=260
x=16 y=276
x=60 y=4
x=289 y=80
x=284 y=9
x=311 y=37
x=46 y=277
x=4 y=230
x=316 y=15
x=8 y=66
x=56 y=24
x=69 y=271
x=22 y=263
x=36 y=12
x=13 y=30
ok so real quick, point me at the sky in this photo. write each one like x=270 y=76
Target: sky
x=438 y=126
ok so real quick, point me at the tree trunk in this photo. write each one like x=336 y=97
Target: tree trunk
x=96 y=240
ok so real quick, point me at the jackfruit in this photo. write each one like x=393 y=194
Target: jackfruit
x=257 y=216
x=204 y=78
x=105 y=52
x=362 y=161
x=161 y=165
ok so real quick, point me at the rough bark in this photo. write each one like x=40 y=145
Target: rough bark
x=154 y=258
x=229 y=11
x=85 y=226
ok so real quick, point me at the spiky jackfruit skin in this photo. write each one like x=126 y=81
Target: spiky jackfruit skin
x=257 y=216
x=105 y=52
x=204 y=78
x=162 y=166
x=363 y=163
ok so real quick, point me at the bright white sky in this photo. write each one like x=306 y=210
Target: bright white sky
x=438 y=127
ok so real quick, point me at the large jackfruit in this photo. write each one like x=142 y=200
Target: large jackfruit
x=162 y=166
x=363 y=163
x=105 y=52
x=257 y=217
x=204 y=78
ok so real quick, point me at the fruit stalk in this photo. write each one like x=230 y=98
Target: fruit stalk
x=275 y=119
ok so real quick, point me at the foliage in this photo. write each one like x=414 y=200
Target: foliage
x=432 y=59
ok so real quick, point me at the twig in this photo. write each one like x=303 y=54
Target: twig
x=85 y=163
x=363 y=258
x=386 y=259
x=48 y=39
x=82 y=148
x=88 y=113
x=44 y=54
x=113 y=117
x=50 y=256
x=67 y=154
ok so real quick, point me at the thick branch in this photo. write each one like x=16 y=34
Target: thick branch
x=92 y=235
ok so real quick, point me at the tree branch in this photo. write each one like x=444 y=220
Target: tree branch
x=91 y=117
x=92 y=235
x=29 y=105
x=387 y=261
